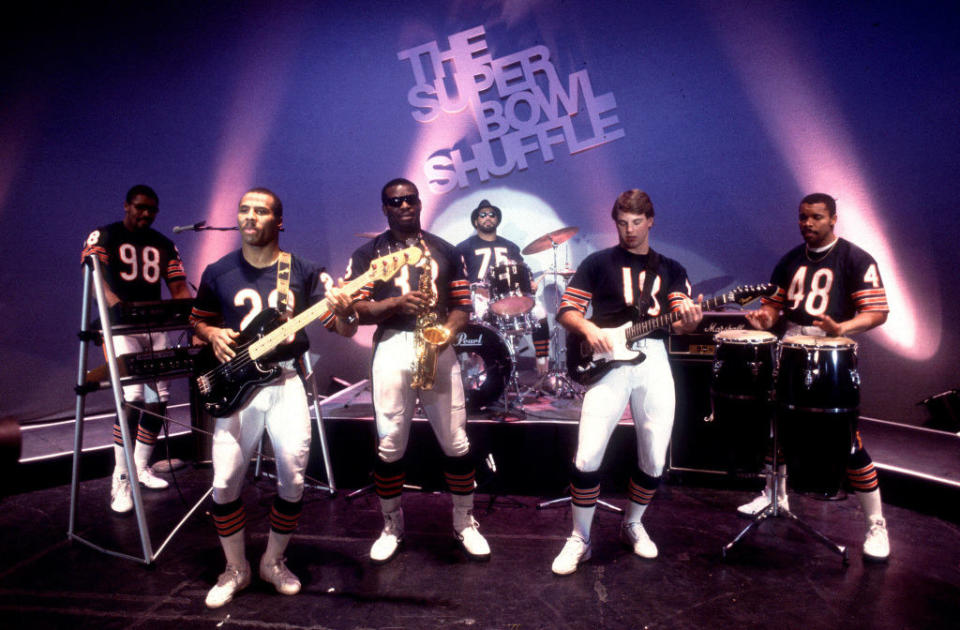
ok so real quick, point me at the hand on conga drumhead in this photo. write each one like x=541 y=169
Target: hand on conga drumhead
x=762 y=318
x=828 y=325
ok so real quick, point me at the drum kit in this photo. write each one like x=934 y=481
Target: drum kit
x=504 y=312
x=805 y=392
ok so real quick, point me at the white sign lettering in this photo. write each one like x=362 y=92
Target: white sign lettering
x=519 y=104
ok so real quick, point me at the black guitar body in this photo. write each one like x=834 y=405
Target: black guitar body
x=586 y=368
x=225 y=387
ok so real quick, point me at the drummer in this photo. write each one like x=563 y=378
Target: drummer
x=486 y=250
x=828 y=287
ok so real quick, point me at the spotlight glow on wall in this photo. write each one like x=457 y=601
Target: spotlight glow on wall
x=795 y=105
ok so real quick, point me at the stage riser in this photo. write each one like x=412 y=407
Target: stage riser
x=531 y=459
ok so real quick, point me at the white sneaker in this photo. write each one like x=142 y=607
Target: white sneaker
x=231 y=581
x=151 y=481
x=754 y=507
x=473 y=542
x=575 y=551
x=121 y=501
x=280 y=576
x=385 y=547
x=637 y=538
x=877 y=544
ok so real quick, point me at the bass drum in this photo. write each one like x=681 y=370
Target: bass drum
x=486 y=363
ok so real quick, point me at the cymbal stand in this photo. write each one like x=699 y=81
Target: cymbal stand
x=507 y=407
x=774 y=510
x=560 y=384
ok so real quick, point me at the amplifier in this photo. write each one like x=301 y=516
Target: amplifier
x=147 y=365
x=699 y=344
x=159 y=363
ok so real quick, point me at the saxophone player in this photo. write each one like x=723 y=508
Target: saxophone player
x=409 y=307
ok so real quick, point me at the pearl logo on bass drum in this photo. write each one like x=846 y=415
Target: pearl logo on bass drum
x=463 y=339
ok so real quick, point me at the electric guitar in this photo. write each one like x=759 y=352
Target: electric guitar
x=230 y=384
x=587 y=367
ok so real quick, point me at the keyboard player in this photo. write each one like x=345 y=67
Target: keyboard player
x=134 y=258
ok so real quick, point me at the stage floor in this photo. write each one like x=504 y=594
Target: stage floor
x=779 y=576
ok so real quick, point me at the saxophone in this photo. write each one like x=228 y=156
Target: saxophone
x=429 y=335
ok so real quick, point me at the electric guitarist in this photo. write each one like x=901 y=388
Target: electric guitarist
x=613 y=280
x=233 y=291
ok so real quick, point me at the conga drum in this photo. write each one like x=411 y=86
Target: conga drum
x=741 y=389
x=818 y=403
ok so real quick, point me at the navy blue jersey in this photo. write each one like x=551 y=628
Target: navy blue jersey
x=134 y=262
x=449 y=278
x=233 y=292
x=840 y=283
x=480 y=255
x=611 y=281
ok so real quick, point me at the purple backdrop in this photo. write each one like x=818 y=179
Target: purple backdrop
x=726 y=113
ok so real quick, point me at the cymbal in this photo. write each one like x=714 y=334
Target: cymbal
x=563 y=273
x=548 y=240
x=367 y=234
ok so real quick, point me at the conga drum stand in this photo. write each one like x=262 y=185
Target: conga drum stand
x=774 y=510
x=564 y=500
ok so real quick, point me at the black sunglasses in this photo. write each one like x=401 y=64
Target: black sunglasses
x=486 y=214
x=145 y=207
x=396 y=202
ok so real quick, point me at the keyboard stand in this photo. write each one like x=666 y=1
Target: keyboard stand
x=93 y=285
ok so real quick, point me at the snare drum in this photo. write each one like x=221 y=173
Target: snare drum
x=741 y=389
x=511 y=291
x=515 y=324
x=486 y=363
x=818 y=403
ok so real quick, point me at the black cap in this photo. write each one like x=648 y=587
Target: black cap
x=485 y=204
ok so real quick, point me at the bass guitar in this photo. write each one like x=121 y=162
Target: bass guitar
x=229 y=385
x=587 y=367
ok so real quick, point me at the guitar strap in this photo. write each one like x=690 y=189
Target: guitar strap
x=283 y=288
x=283 y=281
x=642 y=301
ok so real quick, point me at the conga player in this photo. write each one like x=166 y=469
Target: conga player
x=828 y=287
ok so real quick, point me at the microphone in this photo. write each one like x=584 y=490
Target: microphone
x=187 y=228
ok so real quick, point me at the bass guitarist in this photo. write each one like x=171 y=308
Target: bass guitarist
x=624 y=283
x=233 y=291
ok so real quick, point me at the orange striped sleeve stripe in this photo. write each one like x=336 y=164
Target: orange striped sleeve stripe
x=674 y=300
x=777 y=299
x=99 y=251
